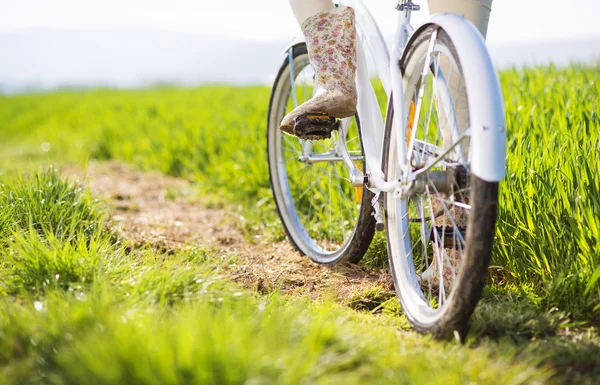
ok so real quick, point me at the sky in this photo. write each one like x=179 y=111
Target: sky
x=512 y=21
x=48 y=44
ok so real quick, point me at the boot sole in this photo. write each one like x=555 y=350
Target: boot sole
x=315 y=126
x=291 y=130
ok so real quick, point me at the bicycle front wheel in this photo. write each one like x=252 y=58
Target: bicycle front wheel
x=324 y=216
x=440 y=231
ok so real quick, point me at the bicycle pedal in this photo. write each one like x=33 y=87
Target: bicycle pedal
x=450 y=240
x=315 y=126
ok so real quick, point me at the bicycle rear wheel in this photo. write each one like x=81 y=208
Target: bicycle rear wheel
x=440 y=232
x=324 y=216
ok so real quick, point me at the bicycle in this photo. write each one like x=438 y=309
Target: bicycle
x=438 y=157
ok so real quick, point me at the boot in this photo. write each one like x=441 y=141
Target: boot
x=445 y=245
x=331 y=42
x=450 y=260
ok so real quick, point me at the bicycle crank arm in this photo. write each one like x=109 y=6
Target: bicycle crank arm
x=356 y=176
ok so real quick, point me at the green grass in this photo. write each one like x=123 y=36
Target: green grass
x=548 y=236
x=107 y=305
x=549 y=231
x=90 y=309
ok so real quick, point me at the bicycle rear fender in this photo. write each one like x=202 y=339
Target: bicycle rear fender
x=486 y=104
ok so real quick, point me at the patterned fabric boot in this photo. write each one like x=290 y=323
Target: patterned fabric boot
x=447 y=237
x=331 y=41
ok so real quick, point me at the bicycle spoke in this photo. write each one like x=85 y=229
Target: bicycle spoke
x=447 y=213
x=432 y=98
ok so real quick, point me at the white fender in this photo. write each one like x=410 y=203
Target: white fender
x=486 y=104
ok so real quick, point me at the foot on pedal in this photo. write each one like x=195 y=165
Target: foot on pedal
x=315 y=126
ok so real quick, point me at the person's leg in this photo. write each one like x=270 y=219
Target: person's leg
x=331 y=41
x=303 y=9
x=476 y=11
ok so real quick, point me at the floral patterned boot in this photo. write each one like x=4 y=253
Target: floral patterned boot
x=447 y=242
x=331 y=41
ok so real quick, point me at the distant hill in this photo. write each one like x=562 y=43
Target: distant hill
x=41 y=59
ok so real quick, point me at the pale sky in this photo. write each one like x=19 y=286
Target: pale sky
x=272 y=20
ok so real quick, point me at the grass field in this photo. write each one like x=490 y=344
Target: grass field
x=79 y=303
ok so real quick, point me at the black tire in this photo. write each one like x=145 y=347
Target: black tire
x=451 y=316
x=356 y=220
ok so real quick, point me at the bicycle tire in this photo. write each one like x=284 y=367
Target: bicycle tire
x=449 y=315
x=356 y=237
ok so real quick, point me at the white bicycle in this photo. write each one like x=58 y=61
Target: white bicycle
x=439 y=155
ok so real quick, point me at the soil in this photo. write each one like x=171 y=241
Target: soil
x=154 y=209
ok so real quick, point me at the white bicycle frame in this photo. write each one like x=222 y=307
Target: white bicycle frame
x=486 y=107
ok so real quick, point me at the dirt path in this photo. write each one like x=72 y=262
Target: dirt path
x=151 y=208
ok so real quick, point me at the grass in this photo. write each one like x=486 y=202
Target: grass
x=549 y=229
x=90 y=309
x=77 y=299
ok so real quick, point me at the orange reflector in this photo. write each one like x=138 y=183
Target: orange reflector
x=358 y=191
x=411 y=119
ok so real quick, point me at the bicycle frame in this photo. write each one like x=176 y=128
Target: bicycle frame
x=487 y=132
x=391 y=79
